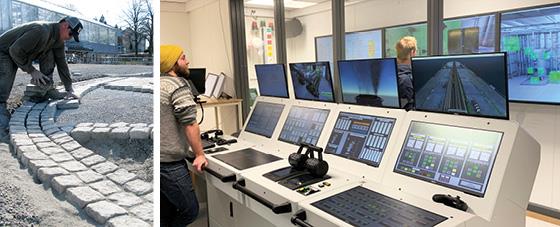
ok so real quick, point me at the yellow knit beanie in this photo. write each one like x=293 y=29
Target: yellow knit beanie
x=169 y=54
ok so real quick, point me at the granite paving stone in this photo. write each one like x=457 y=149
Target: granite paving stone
x=102 y=211
x=61 y=183
x=46 y=175
x=121 y=176
x=82 y=196
x=73 y=166
x=88 y=176
x=125 y=199
x=106 y=187
x=138 y=187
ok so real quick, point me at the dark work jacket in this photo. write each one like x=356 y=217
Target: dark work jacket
x=30 y=41
x=406 y=91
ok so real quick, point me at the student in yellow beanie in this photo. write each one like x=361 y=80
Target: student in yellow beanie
x=178 y=131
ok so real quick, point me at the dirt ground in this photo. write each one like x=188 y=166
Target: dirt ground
x=26 y=203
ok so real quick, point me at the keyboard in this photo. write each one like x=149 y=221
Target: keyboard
x=362 y=207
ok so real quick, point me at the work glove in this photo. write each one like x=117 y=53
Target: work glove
x=38 y=78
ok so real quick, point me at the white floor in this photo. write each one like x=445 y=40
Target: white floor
x=532 y=222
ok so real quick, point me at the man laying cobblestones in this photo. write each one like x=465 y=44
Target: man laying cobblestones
x=179 y=129
x=40 y=41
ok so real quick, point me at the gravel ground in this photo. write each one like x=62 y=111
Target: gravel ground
x=111 y=106
x=25 y=203
x=88 y=71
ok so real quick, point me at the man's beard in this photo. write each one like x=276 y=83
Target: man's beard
x=181 y=72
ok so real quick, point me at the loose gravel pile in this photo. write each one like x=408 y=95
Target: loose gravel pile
x=111 y=106
x=15 y=209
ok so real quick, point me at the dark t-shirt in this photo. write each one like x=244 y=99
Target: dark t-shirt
x=406 y=91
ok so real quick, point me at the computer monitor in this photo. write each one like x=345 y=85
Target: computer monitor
x=304 y=124
x=533 y=69
x=272 y=80
x=369 y=82
x=455 y=157
x=360 y=137
x=312 y=81
x=198 y=78
x=473 y=85
x=210 y=83
x=264 y=118
x=219 y=88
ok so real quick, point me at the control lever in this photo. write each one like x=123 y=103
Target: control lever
x=451 y=201
x=316 y=166
x=297 y=160
x=300 y=218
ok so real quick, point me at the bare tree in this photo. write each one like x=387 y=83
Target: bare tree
x=134 y=17
x=148 y=25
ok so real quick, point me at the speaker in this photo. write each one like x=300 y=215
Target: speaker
x=293 y=28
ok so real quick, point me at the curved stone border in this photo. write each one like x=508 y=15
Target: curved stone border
x=145 y=74
x=142 y=89
x=121 y=130
x=108 y=194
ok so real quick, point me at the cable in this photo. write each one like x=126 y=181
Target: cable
x=202 y=108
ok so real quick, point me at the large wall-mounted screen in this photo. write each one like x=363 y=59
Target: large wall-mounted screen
x=452 y=156
x=359 y=45
x=469 y=35
x=394 y=34
x=531 y=39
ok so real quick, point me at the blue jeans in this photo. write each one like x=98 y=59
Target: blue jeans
x=179 y=206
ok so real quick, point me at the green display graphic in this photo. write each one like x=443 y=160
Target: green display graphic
x=418 y=31
x=469 y=35
x=530 y=38
x=511 y=44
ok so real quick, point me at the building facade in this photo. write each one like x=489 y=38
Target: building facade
x=97 y=40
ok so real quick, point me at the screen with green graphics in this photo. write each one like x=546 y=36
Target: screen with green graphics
x=530 y=38
x=394 y=34
x=451 y=156
x=469 y=35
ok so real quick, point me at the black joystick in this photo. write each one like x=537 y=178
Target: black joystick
x=297 y=160
x=451 y=201
x=316 y=166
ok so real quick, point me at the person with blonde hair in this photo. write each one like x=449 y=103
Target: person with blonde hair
x=406 y=49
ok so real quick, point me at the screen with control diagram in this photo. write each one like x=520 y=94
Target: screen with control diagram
x=264 y=118
x=452 y=156
x=360 y=137
x=304 y=124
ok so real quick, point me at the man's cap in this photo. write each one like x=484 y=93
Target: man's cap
x=169 y=54
x=75 y=26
